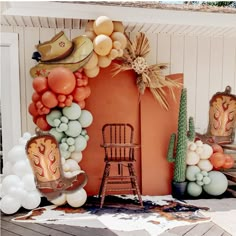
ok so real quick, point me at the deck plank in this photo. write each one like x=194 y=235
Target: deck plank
x=42 y=228
x=200 y=229
x=19 y=229
x=82 y=231
x=7 y=233
x=214 y=231
x=181 y=230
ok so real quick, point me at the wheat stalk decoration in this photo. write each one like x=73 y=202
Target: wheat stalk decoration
x=147 y=76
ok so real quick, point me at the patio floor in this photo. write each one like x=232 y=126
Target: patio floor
x=9 y=228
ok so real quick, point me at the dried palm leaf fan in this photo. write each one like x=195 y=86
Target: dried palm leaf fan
x=147 y=76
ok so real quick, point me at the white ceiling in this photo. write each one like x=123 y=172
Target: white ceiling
x=75 y=16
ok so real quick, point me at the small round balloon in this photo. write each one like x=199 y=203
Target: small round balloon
x=61 y=200
x=77 y=198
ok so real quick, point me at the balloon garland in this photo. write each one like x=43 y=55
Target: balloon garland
x=18 y=188
x=203 y=162
x=58 y=100
x=109 y=43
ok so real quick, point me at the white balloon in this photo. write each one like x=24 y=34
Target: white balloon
x=20 y=168
x=68 y=174
x=17 y=193
x=10 y=181
x=1 y=192
x=10 y=205
x=27 y=136
x=22 y=141
x=7 y=168
x=85 y=118
x=72 y=164
x=31 y=201
x=76 y=198
x=61 y=200
x=77 y=156
x=16 y=153
x=29 y=184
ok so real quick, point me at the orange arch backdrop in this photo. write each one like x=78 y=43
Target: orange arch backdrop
x=116 y=99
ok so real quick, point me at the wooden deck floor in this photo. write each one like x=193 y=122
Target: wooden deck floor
x=9 y=228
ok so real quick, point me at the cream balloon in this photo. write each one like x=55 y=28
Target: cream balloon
x=72 y=164
x=77 y=156
x=61 y=200
x=118 y=36
x=76 y=198
x=93 y=61
x=104 y=61
x=92 y=72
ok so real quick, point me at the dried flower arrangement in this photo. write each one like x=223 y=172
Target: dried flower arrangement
x=147 y=76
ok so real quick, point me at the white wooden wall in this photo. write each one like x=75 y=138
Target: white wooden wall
x=208 y=64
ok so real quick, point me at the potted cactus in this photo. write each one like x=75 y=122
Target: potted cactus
x=177 y=150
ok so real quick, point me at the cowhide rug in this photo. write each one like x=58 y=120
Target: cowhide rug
x=121 y=213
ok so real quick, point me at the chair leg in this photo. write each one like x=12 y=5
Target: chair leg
x=132 y=179
x=102 y=183
x=136 y=184
x=106 y=174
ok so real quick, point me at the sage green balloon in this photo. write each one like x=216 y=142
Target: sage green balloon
x=74 y=128
x=72 y=112
x=56 y=134
x=218 y=184
x=194 y=189
x=54 y=114
x=191 y=172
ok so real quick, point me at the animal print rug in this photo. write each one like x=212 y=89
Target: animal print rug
x=121 y=213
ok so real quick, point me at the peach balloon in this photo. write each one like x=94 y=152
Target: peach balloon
x=102 y=44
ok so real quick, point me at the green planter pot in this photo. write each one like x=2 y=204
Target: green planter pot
x=179 y=189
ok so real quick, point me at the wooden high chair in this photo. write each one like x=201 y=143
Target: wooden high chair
x=119 y=150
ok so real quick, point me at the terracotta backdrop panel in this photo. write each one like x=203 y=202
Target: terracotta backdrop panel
x=116 y=100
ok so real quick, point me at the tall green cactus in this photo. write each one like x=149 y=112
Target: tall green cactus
x=179 y=158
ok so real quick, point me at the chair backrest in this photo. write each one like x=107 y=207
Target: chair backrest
x=117 y=141
x=222 y=114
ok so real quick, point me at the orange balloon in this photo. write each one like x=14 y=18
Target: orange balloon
x=35 y=97
x=217 y=148
x=61 y=80
x=81 y=104
x=229 y=162
x=49 y=99
x=40 y=84
x=42 y=123
x=217 y=159
x=81 y=93
x=33 y=110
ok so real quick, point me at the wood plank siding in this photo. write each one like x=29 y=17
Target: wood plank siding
x=208 y=64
